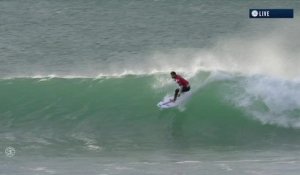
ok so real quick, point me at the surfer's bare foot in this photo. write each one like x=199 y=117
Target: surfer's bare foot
x=172 y=100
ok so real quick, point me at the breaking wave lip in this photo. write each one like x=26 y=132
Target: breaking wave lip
x=98 y=76
x=50 y=76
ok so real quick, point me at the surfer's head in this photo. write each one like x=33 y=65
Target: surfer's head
x=173 y=74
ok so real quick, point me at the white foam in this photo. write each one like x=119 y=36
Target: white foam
x=271 y=100
x=188 y=161
x=44 y=170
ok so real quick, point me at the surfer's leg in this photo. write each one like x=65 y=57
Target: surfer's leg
x=176 y=93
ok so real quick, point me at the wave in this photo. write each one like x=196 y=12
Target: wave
x=113 y=113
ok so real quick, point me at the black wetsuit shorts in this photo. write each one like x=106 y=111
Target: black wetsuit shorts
x=185 y=89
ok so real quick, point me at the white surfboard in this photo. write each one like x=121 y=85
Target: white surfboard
x=168 y=103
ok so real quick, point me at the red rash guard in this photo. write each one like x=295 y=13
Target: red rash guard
x=181 y=81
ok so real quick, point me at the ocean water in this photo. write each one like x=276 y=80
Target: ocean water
x=80 y=80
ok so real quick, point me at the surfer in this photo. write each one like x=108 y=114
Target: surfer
x=183 y=83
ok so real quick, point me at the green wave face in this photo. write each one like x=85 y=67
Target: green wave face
x=121 y=113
